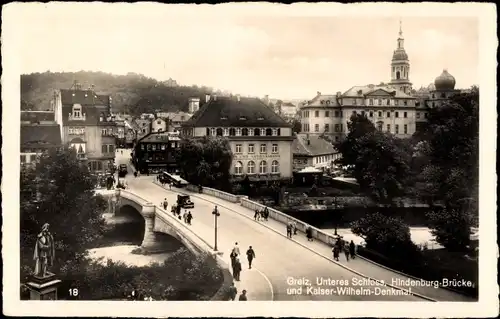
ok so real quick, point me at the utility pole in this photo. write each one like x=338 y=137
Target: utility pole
x=216 y=214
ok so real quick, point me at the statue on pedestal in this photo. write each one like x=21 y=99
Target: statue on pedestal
x=44 y=252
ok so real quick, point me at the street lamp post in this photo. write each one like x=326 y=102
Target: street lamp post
x=216 y=214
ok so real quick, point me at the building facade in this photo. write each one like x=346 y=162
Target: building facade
x=313 y=151
x=155 y=152
x=394 y=107
x=39 y=133
x=260 y=140
x=87 y=125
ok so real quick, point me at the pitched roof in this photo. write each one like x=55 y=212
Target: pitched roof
x=229 y=111
x=159 y=137
x=357 y=91
x=323 y=100
x=178 y=116
x=317 y=146
x=92 y=115
x=83 y=97
x=37 y=116
x=40 y=135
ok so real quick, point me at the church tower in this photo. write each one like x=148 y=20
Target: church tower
x=400 y=66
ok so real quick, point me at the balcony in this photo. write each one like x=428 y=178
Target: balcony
x=81 y=156
x=76 y=117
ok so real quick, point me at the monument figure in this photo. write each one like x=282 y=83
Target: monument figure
x=44 y=252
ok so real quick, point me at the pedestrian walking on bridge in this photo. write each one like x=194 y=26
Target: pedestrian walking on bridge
x=237 y=269
x=352 y=249
x=289 y=230
x=189 y=217
x=250 y=256
x=236 y=248
x=243 y=296
x=233 y=292
x=346 y=252
x=165 y=204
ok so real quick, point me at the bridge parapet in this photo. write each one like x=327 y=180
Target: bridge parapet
x=216 y=193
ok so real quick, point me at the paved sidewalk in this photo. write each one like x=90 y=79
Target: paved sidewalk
x=358 y=265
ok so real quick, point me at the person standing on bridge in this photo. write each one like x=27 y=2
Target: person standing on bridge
x=237 y=269
x=309 y=233
x=289 y=230
x=250 y=256
x=243 y=296
x=232 y=292
x=294 y=225
x=346 y=251
x=256 y=216
x=336 y=252
x=165 y=204
x=236 y=248
x=189 y=217
x=352 y=249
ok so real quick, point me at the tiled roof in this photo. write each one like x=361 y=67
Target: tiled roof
x=92 y=115
x=83 y=97
x=159 y=137
x=228 y=111
x=141 y=123
x=178 y=116
x=362 y=91
x=323 y=101
x=317 y=146
x=40 y=135
x=37 y=116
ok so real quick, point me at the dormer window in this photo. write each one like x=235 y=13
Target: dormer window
x=223 y=117
x=238 y=131
x=260 y=118
x=226 y=131
x=262 y=132
x=275 y=132
x=212 y=131
x=77 y=111
x=243 y=118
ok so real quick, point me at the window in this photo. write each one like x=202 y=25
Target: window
x=336 y=138
x=256 y=132
x=142 y=147
x=244 y=132
x=337 y=128
x=371 y=114
x=405 y=129
x=443 y=95
x=275 y=132
x=396 y=129
x=396 y=114
x=388 y=114
x=363 y=113
x=405 y=103
x=327 y=113
x=380 y=114
x=336 y=114
x=433 y=96
x=388 y=127
x=269 y=132
x=405 y=114
x=263 y=167
x=32 y=158
x=370 y=101
x=226 y=131
x=250 y=132
x=153 y=147
x=232 y=132
x=379 y=101
x=341 y=127
x=262 y=132
x=379 y=126
x=396 y=102
x=316 y=127
x=238 y=168
x=327 y=128
x=77 y=111
x=111 y=148
x=23 y=158
x=418 y=115
x=275 y=148
x=251 y=167
x=251 y=148
x=158 y=122
x=104 y=148
x=263 y=148
x=275 y=167
x=163 y=147
x=354 y=101
x=219 y=132
x=425 y=114
x=316 y=113
x=208 y=131
x=212 y=131
x=238 y=149
x=143 y=130
x=238 y=131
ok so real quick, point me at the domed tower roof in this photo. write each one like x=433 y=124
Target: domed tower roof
x=445 y=81
x=431 y=87
x=399 y=54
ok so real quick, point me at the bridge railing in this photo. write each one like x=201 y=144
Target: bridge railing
x=285 y=219
x=216 y=193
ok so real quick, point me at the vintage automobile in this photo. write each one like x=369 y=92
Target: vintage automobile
x=184 y=201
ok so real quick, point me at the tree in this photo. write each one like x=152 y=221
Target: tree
x=205 y=161
x=378 y=161
x=387 y=235
x=451 y=228
x=296 y=126
x=452 y=151
x=59 y=191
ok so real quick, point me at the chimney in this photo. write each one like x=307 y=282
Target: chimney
x=207 y=98
x=238 y=97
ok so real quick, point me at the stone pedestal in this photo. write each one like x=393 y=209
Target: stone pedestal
x=43 y=288
x=150 y=244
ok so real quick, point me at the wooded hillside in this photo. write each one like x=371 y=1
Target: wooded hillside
x=133 y=92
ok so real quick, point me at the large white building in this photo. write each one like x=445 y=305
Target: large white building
x=393 y=107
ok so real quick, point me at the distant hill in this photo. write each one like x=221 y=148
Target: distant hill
x=133 y=92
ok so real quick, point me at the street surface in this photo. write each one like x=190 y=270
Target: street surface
x=283 y=269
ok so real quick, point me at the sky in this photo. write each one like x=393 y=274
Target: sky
x=245 y=51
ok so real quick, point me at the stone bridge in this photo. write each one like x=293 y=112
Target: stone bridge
x=156 y=220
